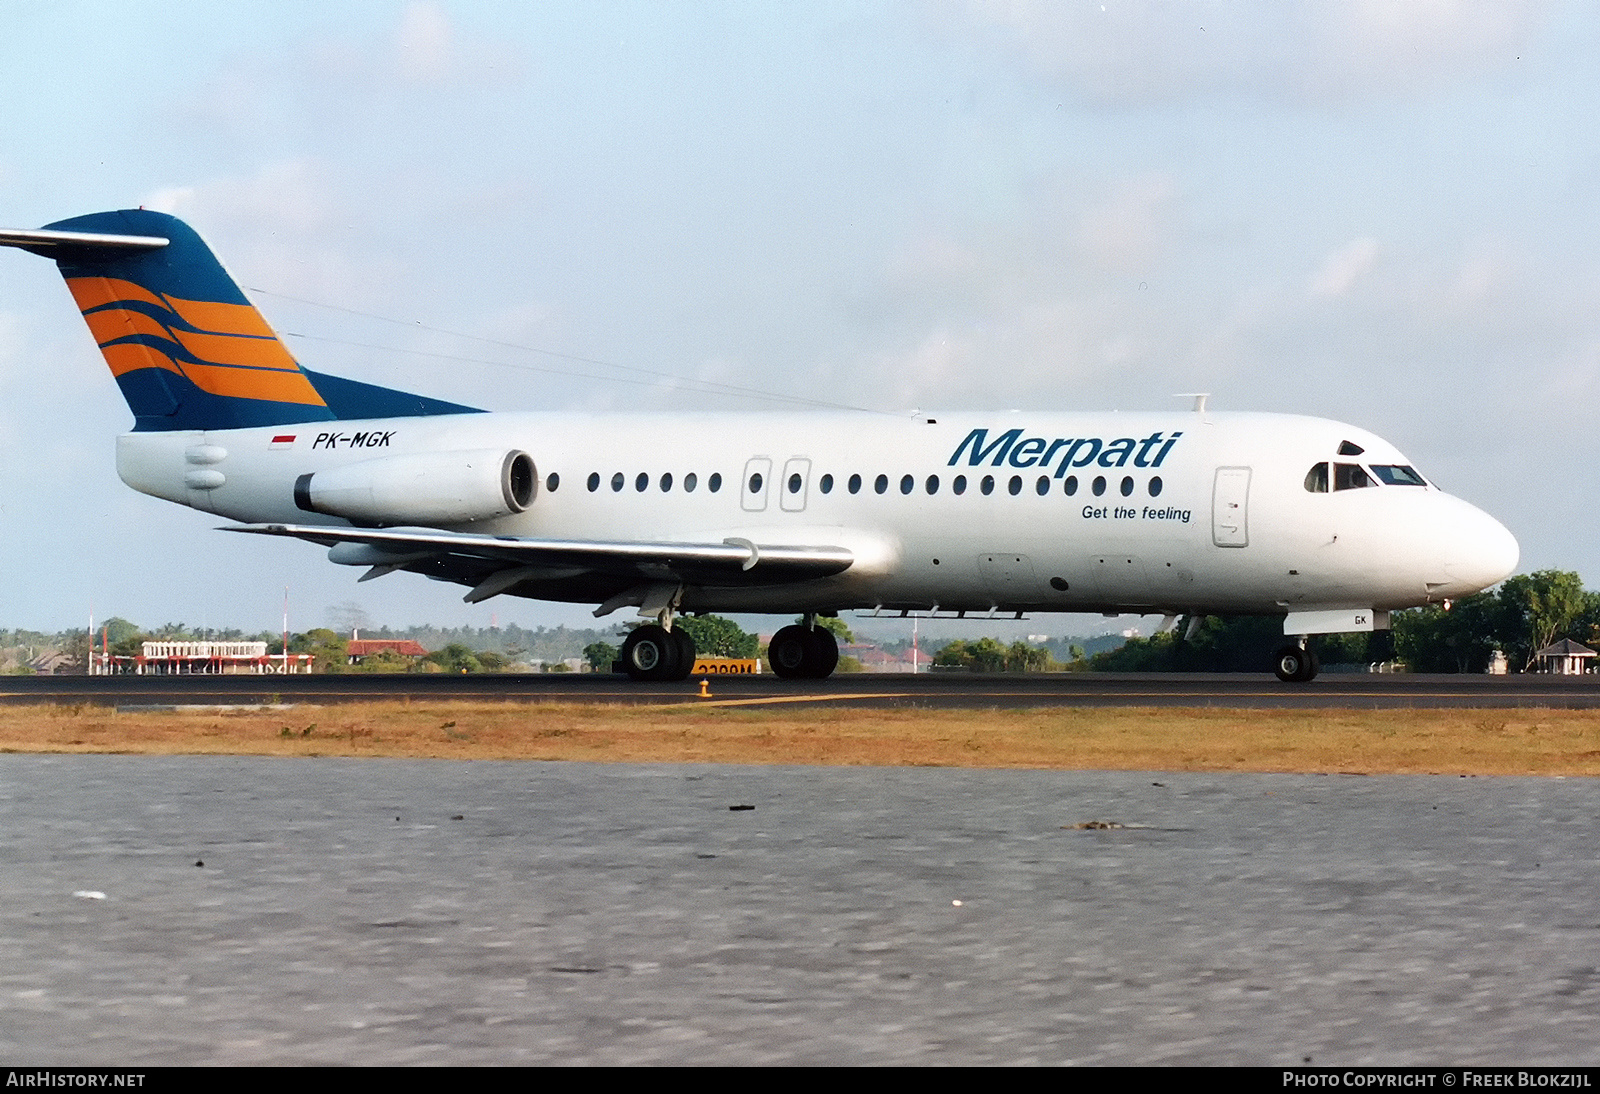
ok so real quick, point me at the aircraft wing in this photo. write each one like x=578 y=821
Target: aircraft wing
x=495 y=564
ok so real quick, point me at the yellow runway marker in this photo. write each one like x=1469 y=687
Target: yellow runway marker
x=802 y=699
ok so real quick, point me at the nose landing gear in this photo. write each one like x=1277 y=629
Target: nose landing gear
x=1295 y=664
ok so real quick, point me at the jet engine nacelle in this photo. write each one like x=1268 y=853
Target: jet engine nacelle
x=424 y=488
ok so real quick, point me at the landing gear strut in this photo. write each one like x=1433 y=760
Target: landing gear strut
x=803 y=652
x=1295 y=664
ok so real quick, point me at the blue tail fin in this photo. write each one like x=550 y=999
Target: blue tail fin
x=188 y=350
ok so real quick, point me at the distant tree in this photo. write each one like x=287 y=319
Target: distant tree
x=1537 y=609
x=384 y=661
x=1155 y=654
x=1219 y=644
x=715 y=636
x=117 y=629
x=600 y=656
x=1022 y=657
x=130 y=645
x=456 y=658
x=1586 y=628
x=979 y=655
x=348 y=617
x=1431 y=639
x=330 y=652
x=76 y=649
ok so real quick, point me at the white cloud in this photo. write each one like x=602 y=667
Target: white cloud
x=172 y=200
x=941 y=361
x=1131 y=51
x=424 y=44
x=1344 y=267
x=12 y=373
x=291 y=194
x=1131 y=230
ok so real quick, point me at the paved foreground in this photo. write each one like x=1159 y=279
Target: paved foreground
x=378 y=911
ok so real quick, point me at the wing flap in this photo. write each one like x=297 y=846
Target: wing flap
x=731 y=562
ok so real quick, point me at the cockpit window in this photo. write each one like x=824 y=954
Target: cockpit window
x=1397 y=474
x=1317 y=479
x=1350 y=448
x=1350 y=476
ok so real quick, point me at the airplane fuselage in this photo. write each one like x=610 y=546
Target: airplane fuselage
x=1198 y=512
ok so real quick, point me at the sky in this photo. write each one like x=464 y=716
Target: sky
x=1374 y=212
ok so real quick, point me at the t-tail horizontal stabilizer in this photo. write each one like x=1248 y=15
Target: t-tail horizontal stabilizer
x=187 y=348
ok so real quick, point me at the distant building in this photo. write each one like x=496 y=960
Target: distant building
x=54 y=663
x=1565 y=658
x=196 y=658
x=359 y=649
x=874 y=659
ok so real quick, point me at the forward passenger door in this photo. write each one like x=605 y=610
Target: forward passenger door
x=1230 y=516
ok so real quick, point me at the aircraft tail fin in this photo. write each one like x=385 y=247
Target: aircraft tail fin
x=188 y=350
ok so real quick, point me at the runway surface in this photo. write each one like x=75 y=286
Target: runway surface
x=932 y=690
x=194 y=910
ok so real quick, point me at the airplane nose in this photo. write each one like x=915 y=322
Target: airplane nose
x=1481 y=552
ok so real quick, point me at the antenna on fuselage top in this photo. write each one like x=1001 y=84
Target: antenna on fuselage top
x=1199 y=398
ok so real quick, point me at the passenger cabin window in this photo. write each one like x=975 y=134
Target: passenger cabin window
x=1397 y=474
x=1317 y=479
x=1350 y=476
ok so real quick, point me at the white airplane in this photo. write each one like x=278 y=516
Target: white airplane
x=1189 y=512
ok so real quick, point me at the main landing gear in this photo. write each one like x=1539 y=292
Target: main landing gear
x=1295 y=664
x=653 y=652
x=804 y=651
